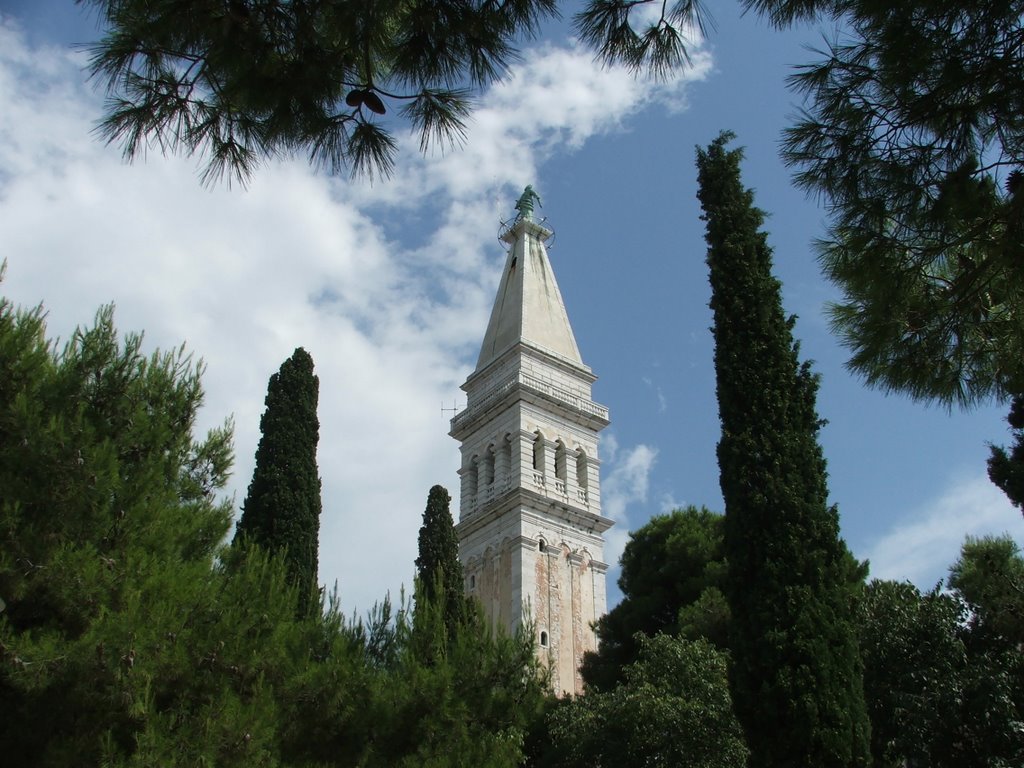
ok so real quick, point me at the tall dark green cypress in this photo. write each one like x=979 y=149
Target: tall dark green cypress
x=282 y=508
x=796 y=675
x=438 y=570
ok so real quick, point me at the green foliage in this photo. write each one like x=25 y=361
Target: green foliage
x=943 y=672
x=989 y=576
x=282 y=507
x=625 y=31
x=672 y=708
x=119 y=639
x=424 y=696
x=673 y=570
x=913 y=661
x=247 y=80
x=913 y=135
x=1006 y=469
x=987 y=730
x=472 y=704
x=129 y=635
x=792 y=584
x=439 y=576
x=457 y=694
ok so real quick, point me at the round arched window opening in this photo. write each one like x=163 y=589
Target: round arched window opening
x=582 y=480
x=542 y=545
x=543 y=639
x=472 y=475
x=538 y=451
x=472 y=581
x=488 y=466
x=560 y=461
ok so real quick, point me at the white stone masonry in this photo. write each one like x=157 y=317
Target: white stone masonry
x=530 y=525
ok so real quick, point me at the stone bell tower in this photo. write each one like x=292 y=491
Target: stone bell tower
x=530 y=525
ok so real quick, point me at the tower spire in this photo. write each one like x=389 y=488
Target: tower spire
x=528 y=308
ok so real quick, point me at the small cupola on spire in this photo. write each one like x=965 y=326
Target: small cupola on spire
x=528 y=308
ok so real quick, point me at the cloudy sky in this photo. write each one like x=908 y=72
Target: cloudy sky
x=389 y=287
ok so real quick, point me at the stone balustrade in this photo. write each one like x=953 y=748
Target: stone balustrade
x=530 y=383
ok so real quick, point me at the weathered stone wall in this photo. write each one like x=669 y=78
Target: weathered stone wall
x=545 y=574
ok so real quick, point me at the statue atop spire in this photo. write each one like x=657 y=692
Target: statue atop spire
x=525 y=203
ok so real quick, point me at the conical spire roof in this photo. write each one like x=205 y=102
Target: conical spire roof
x=528 y=308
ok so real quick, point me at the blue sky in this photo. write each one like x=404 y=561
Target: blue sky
x=389 y=287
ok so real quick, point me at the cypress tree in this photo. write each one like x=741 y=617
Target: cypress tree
x=282 y=507
x=438 y=570
x=796 y=676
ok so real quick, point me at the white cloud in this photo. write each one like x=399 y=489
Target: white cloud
x=609 y=449
x=555 y=100
x=659 y=393
x=299 y=259
x=625 y=483
x=668 y=502
x=922 y=549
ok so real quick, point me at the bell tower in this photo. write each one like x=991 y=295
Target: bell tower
x=530 y=525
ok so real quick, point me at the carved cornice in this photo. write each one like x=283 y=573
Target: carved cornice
x=524 y=499
x=521 y=386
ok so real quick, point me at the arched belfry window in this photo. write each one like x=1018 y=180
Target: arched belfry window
x=543 y=639
x=488 y=466
x=582 y=475
x=560 y=461
x=505 y=461
x=538 y=452
x=472 y=475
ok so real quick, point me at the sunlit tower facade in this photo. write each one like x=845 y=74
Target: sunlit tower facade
x=530 y=525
